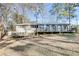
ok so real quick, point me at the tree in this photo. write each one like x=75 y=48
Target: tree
x=69 y=11
x=37 y=9
x=65 y=10
x=19 y=18
x=6 y=10
x=56 y=10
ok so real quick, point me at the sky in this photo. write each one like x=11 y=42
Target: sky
x=52 y=19
x=48 y=18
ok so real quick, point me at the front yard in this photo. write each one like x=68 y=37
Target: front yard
x=43 y=45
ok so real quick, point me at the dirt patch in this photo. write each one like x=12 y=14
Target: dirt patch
x=50 y=45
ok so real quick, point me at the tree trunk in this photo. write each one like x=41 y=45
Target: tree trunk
x=69 y=16
x=36 y=26
x=77 y=25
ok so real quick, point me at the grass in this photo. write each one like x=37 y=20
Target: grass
x=68 y=36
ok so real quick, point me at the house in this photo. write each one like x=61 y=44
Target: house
x=31 y=28
x=23 y=29
x=53 y=28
